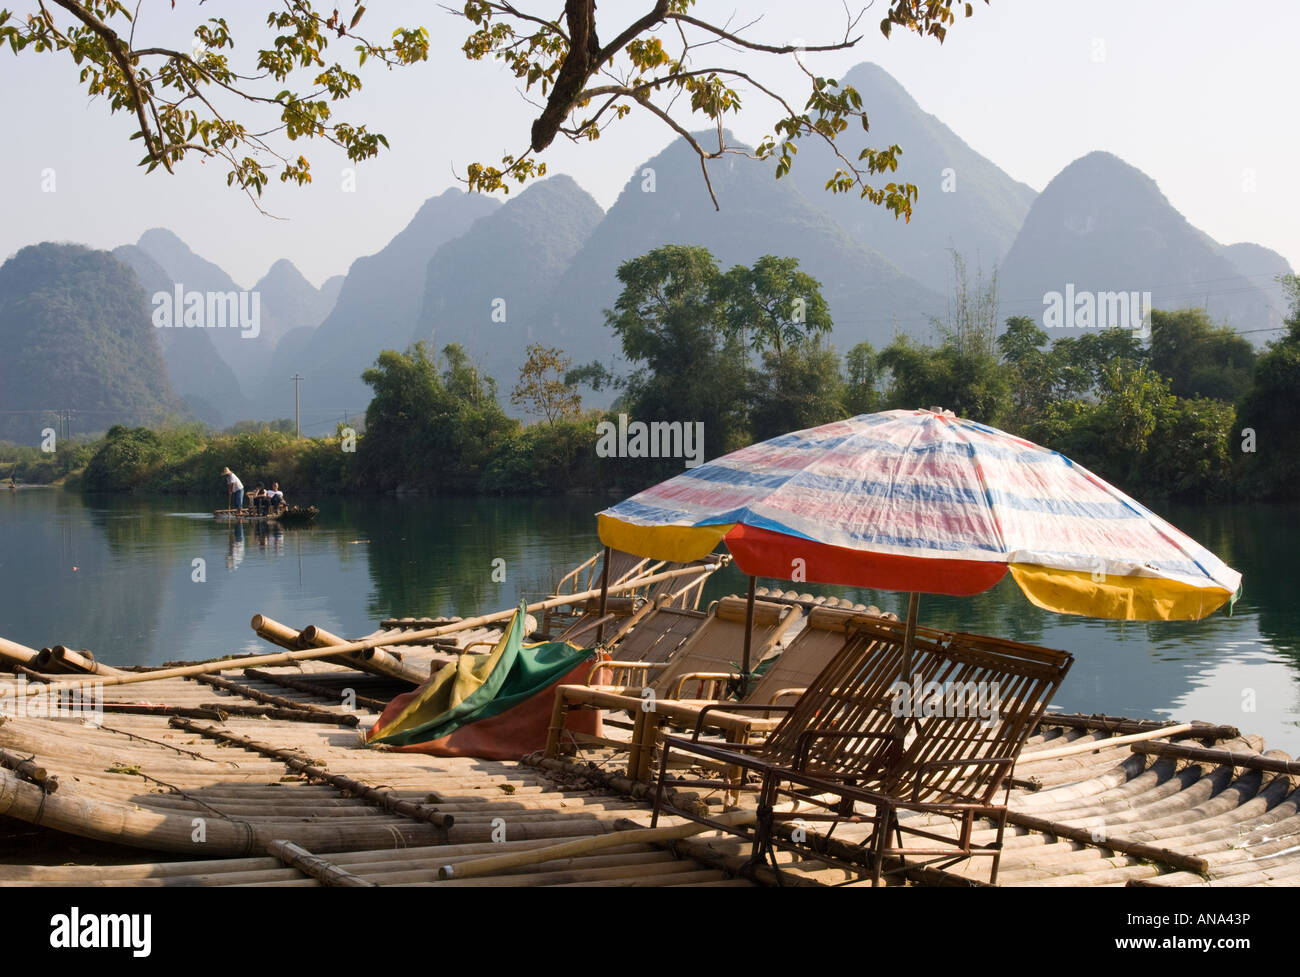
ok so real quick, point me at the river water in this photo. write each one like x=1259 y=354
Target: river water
x=143 y=581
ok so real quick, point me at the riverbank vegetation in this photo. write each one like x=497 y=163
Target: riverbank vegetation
x=1191 y=412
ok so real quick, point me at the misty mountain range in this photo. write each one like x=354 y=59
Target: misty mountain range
x=541 y=266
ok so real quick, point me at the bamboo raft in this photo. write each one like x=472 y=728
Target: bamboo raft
x=292 y=515
x=256 y=775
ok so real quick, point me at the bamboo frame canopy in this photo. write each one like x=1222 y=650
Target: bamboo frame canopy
x=927 y=502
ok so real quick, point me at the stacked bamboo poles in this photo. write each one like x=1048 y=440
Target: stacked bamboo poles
x=12 y=653
x=61 y=659
x=306 y=654
x=627 y=864
x=376 y=661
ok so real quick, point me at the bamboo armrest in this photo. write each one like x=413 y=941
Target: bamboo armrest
x=697 y=676
x=732 y=707
x=782 y=693
x=628 y=666
x=475 y=644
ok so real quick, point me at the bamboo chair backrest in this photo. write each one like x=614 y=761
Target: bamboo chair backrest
x=718 y=645
x=823 y=635
x=655 y=637
x=684 y=591
x=625 y=567
x=983 y=696
x=618 y=610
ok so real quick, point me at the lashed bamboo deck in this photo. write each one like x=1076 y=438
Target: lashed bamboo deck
x=227 y=760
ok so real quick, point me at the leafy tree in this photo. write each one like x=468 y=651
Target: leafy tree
x=1199 y=358
x=1081 y=361
x=774 y=306
x=543 y=386
x=671 y=324
x=1188 y=453
x=971 y=324
x=544 y=458
x=595 y=375
x=426 y=429
x=1036 y=374
x=1267 y=433
x=963 y=374
x=123 y=460
x=185 y=102
x=862 y=379
x=797 y=390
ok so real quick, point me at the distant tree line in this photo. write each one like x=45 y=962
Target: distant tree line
x=1193 y=413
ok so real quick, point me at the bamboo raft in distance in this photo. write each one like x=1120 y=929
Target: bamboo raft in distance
x=287 y=516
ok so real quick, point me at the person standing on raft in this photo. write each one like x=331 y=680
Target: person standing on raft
x=234 y=490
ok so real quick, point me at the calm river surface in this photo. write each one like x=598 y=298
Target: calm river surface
x=117 y=576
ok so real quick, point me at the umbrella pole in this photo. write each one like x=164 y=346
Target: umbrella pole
x=749 y=635
x=909 y=634
x=604 y=596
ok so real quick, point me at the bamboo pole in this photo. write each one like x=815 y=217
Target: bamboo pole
x=323 y=871
x=218 y=711
x=749 y=635
x=496 y=863
x=74 y=661
x=604 y=596
x=12 y=651
x=1107 y=744
x=311 y=688
x=33 y=772
x=307 y=654
x=291 y=705
x=1188 y=863
x=376 y=661
x=1249 y=761
x=1118 y=724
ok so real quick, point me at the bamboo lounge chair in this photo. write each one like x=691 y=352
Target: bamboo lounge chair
x=666 y=670
x=621 y=613
x=623 y=568
x=790 y=673
x=684 y=592
x=843 y=744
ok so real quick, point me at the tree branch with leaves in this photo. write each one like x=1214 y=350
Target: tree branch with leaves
x=184 y=102
x=653 y=62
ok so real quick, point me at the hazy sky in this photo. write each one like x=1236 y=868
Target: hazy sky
x=1194 y=93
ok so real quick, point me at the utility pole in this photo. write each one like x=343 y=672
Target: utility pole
x=297 y=423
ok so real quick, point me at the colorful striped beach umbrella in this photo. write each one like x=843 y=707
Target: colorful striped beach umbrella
x=926 y=502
